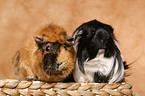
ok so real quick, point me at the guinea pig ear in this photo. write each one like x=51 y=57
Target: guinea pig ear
x=109 y=28
x=39 y=39
x=70 y=40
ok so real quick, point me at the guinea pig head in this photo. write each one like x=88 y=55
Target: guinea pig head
x=56 y=49
x=94 y=34
x=99 y=39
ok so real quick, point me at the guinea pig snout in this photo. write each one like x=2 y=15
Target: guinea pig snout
x=98 y=44
x=52 y=68
x=51 y=65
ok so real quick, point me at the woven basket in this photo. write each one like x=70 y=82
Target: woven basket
x=10 y=87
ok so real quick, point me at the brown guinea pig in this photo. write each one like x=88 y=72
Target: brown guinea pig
x=49 y=56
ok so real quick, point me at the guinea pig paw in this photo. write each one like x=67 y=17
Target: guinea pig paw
x=29 y=78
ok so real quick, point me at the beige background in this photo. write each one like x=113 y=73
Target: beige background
x=19 y=19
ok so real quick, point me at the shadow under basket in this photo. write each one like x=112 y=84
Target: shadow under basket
x=37 y=88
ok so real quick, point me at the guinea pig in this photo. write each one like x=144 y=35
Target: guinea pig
x=98 y=56
x=48 y=56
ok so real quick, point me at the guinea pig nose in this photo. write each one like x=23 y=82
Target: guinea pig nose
x=49 y=66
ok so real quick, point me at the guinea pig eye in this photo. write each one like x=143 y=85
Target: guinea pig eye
x=47 y=48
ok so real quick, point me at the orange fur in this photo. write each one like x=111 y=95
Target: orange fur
x=28 y=61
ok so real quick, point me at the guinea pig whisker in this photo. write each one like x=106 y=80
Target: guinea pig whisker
x=59 y=63
x=59 y=66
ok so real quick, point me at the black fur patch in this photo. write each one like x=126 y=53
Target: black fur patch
x=18 y=58
x=125 y=65
x=69 y=78
x=17 y=62
x=50 y=59
x=100 y=78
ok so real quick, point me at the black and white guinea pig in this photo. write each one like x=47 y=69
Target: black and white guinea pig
x=98 y=56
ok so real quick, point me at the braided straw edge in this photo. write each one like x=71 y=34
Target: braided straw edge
x=14 y=87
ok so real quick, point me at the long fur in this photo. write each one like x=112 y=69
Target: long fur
x=49 y=56
x=98 y=56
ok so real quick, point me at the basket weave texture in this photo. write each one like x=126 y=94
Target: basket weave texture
x=10 y=87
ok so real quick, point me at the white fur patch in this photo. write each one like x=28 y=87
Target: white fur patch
x=101 y=64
